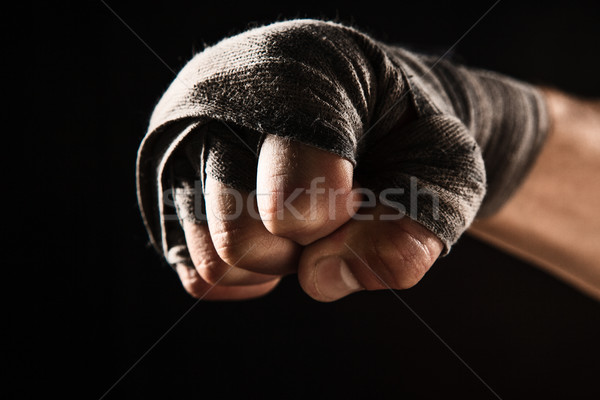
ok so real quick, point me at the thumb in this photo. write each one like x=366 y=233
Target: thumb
x=368 y=254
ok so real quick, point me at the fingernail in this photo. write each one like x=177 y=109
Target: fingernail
x=333 y=278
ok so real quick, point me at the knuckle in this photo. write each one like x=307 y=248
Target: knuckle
x=302 y=220
x=252 y=248
x=193 y=287
x=231 y=245
x=303 y=192
x=209 y=266
x=194 y=291
x=402 y=259
x=290 y=228
x=212 y=274
x=236 y=245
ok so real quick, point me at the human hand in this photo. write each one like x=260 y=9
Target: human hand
x=305 y=220
x=316 y=116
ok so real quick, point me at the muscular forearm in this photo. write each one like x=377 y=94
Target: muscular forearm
x=554 y=218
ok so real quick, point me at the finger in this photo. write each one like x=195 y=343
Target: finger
x=209 y=265
x=303 y=193
x=370 y=254
x=198 y=288
x=239 y=236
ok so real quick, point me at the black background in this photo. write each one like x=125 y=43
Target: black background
x=88 y=297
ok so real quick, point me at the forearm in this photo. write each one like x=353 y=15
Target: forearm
x=553 y=220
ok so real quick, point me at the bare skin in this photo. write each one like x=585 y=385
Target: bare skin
x=553 y=220
x=334 y=257
x=246 y=256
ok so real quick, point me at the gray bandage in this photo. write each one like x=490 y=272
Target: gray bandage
x=332 y=87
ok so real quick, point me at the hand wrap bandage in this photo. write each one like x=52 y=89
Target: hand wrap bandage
x=467 y=136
